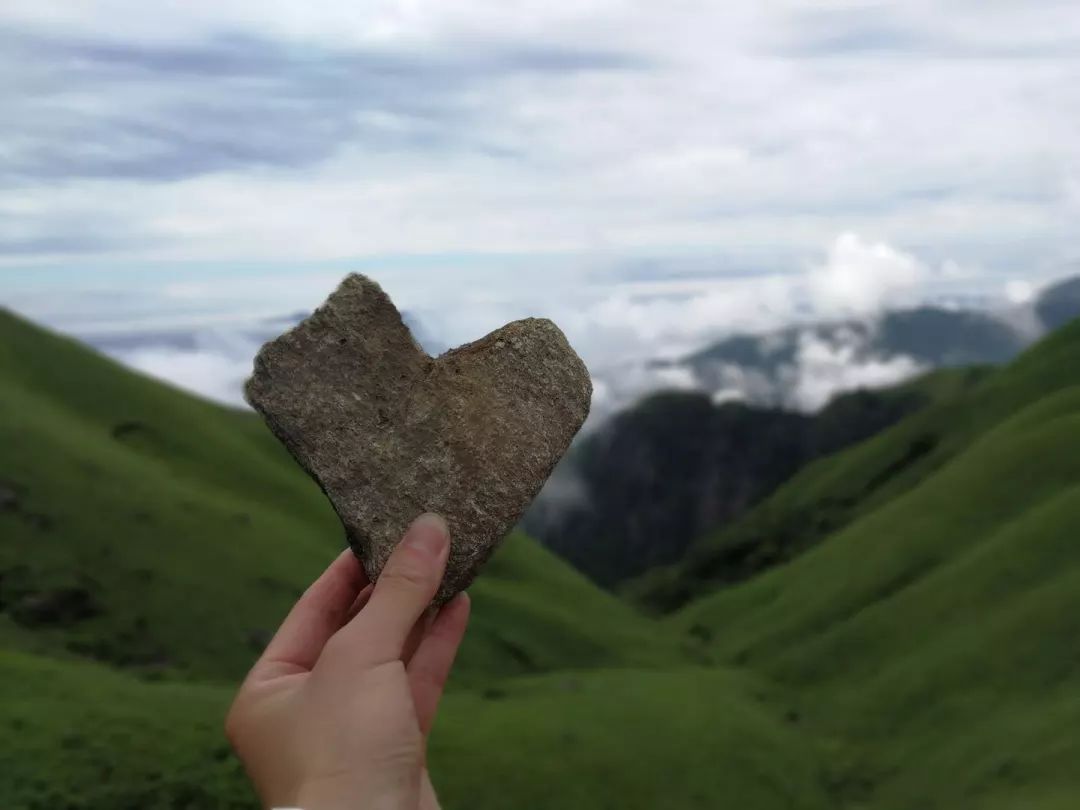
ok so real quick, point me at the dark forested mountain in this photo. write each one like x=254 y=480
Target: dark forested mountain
x=1059 y=304
x=636 y=492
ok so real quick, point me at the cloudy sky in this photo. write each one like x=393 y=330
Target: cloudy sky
x=649 y=174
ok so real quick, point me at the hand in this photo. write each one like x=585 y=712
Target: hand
x=335 y=714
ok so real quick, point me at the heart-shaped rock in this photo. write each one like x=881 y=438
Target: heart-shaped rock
x=389 y=432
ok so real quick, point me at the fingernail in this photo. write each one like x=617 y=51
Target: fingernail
x=428 y=534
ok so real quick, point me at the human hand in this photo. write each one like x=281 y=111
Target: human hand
x=335 y=714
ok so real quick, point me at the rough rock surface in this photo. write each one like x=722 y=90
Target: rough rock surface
x=389 y=432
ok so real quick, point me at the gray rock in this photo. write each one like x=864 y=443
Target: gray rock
x=388 y=432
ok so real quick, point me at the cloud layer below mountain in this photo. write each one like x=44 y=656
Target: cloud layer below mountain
x=202 y=334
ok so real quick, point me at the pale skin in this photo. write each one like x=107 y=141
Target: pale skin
x=336 y=713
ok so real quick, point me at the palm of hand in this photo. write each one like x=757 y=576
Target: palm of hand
x=337 y=711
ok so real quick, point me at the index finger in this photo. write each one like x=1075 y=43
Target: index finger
x=317 y=615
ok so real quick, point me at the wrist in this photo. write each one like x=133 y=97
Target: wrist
x=348 y=795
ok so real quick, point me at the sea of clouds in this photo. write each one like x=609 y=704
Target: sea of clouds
x=202 y=334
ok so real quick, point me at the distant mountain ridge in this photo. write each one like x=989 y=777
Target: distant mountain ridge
x=768 y=368
x=1059 y=304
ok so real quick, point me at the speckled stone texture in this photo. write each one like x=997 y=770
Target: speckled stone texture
x=389 y=432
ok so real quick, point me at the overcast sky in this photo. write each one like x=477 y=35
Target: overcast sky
x=647 y=173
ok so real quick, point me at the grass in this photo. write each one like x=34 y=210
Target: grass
x=934 y=639
x=91 y=737
x=151 y=544
x=76 y=735
x=160 y=533
x=607 y=740
x=918 y=651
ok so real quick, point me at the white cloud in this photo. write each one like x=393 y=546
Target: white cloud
x=620 y=323
x=216 y=374
x=725 y=395
x=1020 y=291
x=825 y=368
x=676 y=379
x=859 y=277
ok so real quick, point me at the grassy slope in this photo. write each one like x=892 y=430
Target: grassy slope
x=90 y=737
x=184 y=539
x=197 y=507
x=934 y=639
x=925 y=655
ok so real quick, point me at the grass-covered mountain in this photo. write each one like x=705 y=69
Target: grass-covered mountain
x=147 y=529
x=152 y=541
x=831 y=493
x=933 y=639
x=920 y=652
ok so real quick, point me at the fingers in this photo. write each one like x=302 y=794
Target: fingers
x=405 y=588
x=358 y=603
x=416 y=635
x=430 y=665
x=316 y=616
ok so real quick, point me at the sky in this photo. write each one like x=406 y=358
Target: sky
x=649 y=175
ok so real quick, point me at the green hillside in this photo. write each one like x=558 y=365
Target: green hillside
x=830 y=493
x=79 y=735
x=152 y=541
x=147 y=529
x=934 y=639
x=918 y=648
